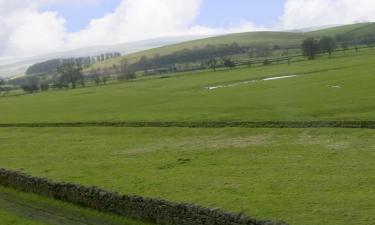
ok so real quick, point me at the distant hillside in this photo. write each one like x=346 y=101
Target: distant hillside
x=254 y=39
x=18 y=66
x=165 y=46
x=355 y=30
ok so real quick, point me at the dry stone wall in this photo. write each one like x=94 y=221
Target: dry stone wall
x=147 y=209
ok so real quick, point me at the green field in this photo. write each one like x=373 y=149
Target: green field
x=339 y=88
x=303 y=176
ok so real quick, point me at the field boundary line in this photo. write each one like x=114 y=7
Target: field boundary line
x=205 y=124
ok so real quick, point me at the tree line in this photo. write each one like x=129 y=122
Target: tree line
x=197 y=54
x=70 y=75
x=52 y=65
x=312 y=46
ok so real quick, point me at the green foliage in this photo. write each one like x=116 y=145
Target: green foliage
x=267 y=62
x=345 y=46
x=124 y=72
x=31 y=84
x=212 y=63
x=327 y=44
x=71 y=73
x=44 y=87
x=44 y=67
x=229 y=63
x=310 y=47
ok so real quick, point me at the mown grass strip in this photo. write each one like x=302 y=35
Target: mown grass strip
x=207 y=124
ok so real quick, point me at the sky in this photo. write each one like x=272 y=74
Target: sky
x=33 y=27
x=213 y=13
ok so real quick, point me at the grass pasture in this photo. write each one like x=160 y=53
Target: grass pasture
x=339 y=88
x=303 y=176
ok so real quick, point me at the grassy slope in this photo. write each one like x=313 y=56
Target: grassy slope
x=361 y=29
x=28 y=209
x=309 y=96
x=252 y=39
x=303 y=176
x=248 y=39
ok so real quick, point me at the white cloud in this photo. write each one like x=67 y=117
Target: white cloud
x=25 y=29
x=29 y=32
x=139 y=19
x=244 y=26
x=306 y=13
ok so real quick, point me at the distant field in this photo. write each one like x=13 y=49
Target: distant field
x=339 y=88
x=355 y=29
x=303 y=176
x=255 y=39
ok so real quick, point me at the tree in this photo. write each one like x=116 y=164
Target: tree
x=31 y=85
x=344 y=46
x=267 y=62
x=124 y=72
x=2 y=83
x=104 y=80
x=5 y=89
x=71 y=73
x=327 y=44
x=44 y=87
x=143 y=62
x=369 y=41
x=97 y=79
x=229 y=63
x=310 y=47
x=212 y=63
x=95 y=73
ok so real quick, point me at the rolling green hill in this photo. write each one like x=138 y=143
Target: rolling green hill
x=254 y=39
x=264 y=39
x=357 y=30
